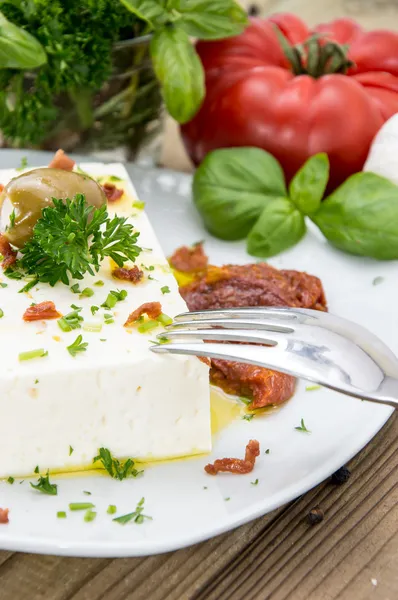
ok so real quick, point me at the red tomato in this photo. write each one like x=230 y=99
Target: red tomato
x=254 y=98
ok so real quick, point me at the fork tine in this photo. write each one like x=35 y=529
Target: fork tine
x=261 y=312
x=228 y=335
x=264 y=324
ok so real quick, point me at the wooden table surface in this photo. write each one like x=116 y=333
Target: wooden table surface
x=351 y=555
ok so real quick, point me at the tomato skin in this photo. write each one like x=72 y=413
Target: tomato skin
x=254 y=99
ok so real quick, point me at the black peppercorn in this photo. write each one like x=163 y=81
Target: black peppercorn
x=341 y=476
x=315 y=516
x=253 y=10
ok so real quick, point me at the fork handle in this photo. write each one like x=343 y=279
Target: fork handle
x=387 y=393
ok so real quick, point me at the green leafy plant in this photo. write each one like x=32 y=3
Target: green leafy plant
x=241 y=193
x=72 y=238
x=66 y=67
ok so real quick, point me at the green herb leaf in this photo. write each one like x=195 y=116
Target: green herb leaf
x=99 y=283
x=23 y=164
x=302 y=427
x=30 y=354
x=80 y=505
x=90 y=516
x=279 y=227
x=308 y=185
x=77 y=346
x=267 y=451
x=138 y=205
x=87 y=293
x=136 y=516
x=75 y=288
x=151 y=11
x=312 y=388
x=117 y=469
x=3 y=285
x=361 y=217
x=111 y=509
x=61 y=514
x=87 y=493
x=231 y=188
x=12 y=218
x=71 y=321
x=10 y=480
x=180 y=72
x=18 y=48
x=255 y=482
x=210 y=19
x=114 y=297
x=248 y=417
x=165 y=289
x=70 y=450
x=45 y=486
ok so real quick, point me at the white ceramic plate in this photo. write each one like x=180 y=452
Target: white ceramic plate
x=187 y=505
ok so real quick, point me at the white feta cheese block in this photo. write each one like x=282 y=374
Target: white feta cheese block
x=117 y=394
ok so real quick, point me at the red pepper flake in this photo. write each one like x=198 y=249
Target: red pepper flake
x=10 y=255
x=112 y=193
x=189 y=260
x=152 y=309
x=62 y=161
x=236 y=465
x=1 y=187
x=134 y=274
x=40 y=312
x=4 y=516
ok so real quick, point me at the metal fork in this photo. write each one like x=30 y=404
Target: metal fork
x=310 y=344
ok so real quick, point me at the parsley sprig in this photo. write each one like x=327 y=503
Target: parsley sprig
x=116 y=469
x=136 y=516
x=45 y=486
x=72 y=238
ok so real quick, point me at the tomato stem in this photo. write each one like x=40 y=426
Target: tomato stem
x=316 y=57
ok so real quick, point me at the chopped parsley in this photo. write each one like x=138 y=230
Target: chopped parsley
x=267 y=451
x=36 y=381
x=45 y=486
x=36 y=469
x=302 y=427
x=90 y=516
x=137 y=516
x=81 y=505
x=94 y=309
x=255 y=482
x=71 y=321
x=77 y=346
x=165 y=289
x=87 y=493
x=30 y=354
x=111 y=509
x=12 y=218
x=149 y=268
x=114 y=178
x=87 y=293
x=138 y=204
x=10 y=480
x=117 y=469
x=70 y=450
x=23 y=164
x=227 y=499
x=75 y=288
x=99 y=283
x=248 y=417
x=3 y=285
x=61 y=514
x=114 y=297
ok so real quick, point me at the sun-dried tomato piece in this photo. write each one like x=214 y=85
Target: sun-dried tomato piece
x=10 y=255
x=152 y=309
x=133 y=274
x=42 y=311
x=112 y=193
x=4 y=515
x=189 y=259
x=62 y=161
x=1 y=187
x=236 y=465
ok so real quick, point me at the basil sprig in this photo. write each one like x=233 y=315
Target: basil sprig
x=19 y=49
x=241 y=193
x=176 y=63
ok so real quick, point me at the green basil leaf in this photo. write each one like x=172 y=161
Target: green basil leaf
x=180 y=72
x=151 y=11
x=280 y=226
x=231 y=188
x=210 y=19
x=19 y=49
x=361 y=217
x=308 y=185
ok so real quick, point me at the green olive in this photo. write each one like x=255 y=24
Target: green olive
x=30 y=192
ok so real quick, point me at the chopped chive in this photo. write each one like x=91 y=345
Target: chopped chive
x=87 y=493
x=111 y=509
x=138 y=204
x=28 y=286
x=255 y=482
x=102 y=339
x=63 y=325
x=99 y=283
x=39 y=353
x=302 y=427
x=61 y=514
x=151 y=278
x=75 y=288
x=78 y=308
x=165 y=289
x=110 y=301
x=81 y=505
x=90 y=516
x=114 y=178
x=12 y=218
x=71 y=321
x=1 y=313
x=93 y=327
x=87 y=293
x=162 y=339
x=109 y=321
x=246 y=401
x=312 y=388
x=70 y=450
x=10 y=480
x=164 y=319
x=227 y=499
x=147 y=326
